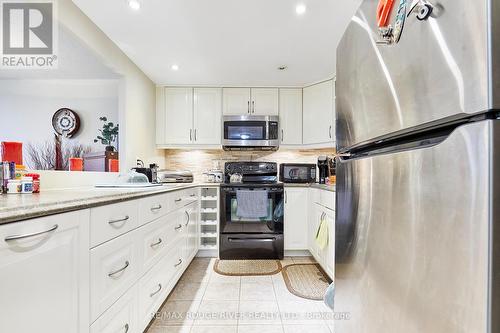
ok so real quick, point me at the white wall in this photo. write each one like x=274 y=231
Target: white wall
x=137 y=92
x=27 y=107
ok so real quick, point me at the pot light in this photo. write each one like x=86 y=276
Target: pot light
x=134 y=4
x=175 y=67
x=300 y=9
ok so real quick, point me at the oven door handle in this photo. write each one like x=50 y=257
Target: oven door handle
x=240 y=240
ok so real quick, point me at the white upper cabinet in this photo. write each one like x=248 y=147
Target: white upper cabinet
x=254 y=101
x=207 y=116
x=236 y=101
x=179 y=116
x=318 y=113
x=290 y=102
x=264 y=101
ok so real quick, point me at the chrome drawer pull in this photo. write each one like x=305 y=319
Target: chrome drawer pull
x=119 y=270
x=155 y=208
x=178 y=227
x=192 y=195
x=16 y=237
x=126 y=328
x=119 y=220
x=157 y=243
x=156 y=292
x=180 y=262
x=178 y=200
x=188 y=218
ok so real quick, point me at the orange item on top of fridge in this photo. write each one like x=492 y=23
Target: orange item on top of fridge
x=384 y=10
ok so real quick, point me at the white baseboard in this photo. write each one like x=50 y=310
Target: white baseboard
x=297 y=253
x=207 y=254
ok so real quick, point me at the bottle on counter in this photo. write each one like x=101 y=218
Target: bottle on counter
x=20 y=171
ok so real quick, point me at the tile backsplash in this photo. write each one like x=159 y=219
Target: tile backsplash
x=200 y=161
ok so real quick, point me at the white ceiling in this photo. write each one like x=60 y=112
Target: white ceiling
x=226 y=42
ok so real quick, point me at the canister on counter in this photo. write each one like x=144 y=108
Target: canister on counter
x=14 y=186
x=36 y=181
x=26 y=185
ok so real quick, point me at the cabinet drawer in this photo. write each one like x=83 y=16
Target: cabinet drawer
x=327 y=199
x=121 y=316
x=155 y=286
x=182 y=198
x=110 y=221
x=153 y=207
x=114 y=267
x=155 y=238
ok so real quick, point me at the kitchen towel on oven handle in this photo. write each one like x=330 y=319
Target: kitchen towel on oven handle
x=252 y=204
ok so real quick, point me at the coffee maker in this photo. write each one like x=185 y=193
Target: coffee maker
x=323 y=169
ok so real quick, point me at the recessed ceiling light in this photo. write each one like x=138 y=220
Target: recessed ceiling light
x=175 y=67
x=134 y=4
x=300 y=9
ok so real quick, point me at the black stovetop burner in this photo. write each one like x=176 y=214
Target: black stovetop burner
x=252 y=172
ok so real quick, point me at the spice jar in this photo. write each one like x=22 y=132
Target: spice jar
x=27 y=185
x=14 y=186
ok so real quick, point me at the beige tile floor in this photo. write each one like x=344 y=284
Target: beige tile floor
x=205 y=302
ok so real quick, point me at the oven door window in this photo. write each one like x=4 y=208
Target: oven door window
x=236 y=218
x=272 y=223
x=245 y=130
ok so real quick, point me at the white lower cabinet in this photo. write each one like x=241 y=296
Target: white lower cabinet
x=121 y=317
x=193 y=231
x=156 y=284
x=157 y=254
x=115 y=267
x=318 y=212
x=44 y=265
x=295 y=226
x=155 y=239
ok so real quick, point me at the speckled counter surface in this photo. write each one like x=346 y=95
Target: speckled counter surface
x=325 y=187
x=17 y=207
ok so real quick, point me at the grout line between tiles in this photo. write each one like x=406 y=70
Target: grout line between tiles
x=278 y=305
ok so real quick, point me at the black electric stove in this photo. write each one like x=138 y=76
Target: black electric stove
x=258 y=237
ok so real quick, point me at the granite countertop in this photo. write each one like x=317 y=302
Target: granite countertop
x=18 y=207
x=325 y=187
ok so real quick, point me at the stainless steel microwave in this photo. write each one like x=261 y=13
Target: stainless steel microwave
x=250 y=132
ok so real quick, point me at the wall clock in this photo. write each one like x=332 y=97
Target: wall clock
x=66 y=122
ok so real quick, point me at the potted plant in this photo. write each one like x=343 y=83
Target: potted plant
x=109 y=134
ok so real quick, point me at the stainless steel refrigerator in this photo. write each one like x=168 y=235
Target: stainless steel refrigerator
x=418 y=189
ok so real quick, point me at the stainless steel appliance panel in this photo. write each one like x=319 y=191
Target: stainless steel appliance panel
x=413 y=237
x=438 y=71
x=250 y=132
